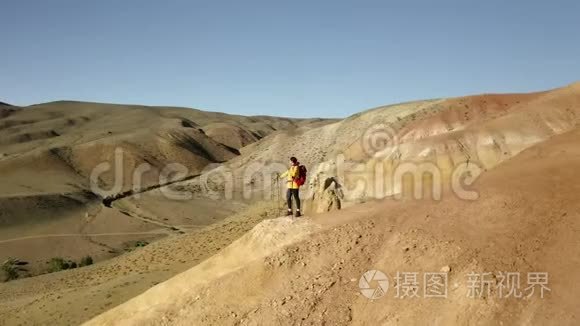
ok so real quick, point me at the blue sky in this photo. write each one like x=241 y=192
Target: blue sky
x=289 y=58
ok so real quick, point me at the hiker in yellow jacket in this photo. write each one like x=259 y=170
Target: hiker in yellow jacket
x=293 y=185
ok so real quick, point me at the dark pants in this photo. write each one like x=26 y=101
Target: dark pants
x=293 y=193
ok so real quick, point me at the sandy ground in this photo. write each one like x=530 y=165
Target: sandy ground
x=73 y=296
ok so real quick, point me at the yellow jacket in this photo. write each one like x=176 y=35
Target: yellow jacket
x=291 y=175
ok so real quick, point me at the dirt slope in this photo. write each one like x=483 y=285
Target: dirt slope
x=526 y=220
x=79 y=134
x=481 y=131
x=6 y=109
x=74 y=296
x=49 y=151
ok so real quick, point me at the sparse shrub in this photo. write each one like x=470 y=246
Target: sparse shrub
x=141 y=243
x=132 y=245
x=86 y=261
x=58 y=264
x=10 y=270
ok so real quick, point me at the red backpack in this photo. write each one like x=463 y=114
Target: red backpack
x=301 y=175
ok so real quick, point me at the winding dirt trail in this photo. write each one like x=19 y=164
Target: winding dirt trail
x=41 y=236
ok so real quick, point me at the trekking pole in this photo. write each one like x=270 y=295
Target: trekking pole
x=274 y=195
x=271 y=186
x=278 y=196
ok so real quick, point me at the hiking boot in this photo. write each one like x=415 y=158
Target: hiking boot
x=289 y=213
x=298 y=214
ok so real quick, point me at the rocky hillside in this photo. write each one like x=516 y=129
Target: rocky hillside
x=311 y=271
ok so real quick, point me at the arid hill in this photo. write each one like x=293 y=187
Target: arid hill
x=48 y=152
x=394 y=173
x=478 y=132
x=307 y=271
x=5 y=109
